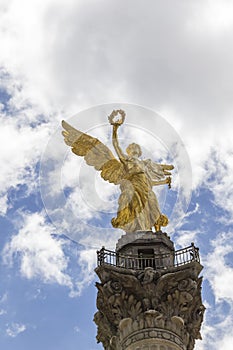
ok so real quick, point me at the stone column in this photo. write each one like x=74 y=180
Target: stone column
x=149 y=338
x=148 y=308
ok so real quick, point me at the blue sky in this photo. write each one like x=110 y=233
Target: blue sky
x=168 y=64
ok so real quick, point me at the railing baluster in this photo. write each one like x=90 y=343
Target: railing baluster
x=178 y=258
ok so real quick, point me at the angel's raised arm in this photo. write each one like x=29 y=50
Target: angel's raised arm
x=116 y=145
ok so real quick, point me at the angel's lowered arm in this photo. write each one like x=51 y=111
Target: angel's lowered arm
x=163 y=182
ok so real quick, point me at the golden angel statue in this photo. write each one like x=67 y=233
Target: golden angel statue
x=138 y=208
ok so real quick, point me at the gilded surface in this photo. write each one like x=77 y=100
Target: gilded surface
x=138 y=206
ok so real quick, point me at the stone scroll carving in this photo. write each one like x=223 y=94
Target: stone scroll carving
x=148 y=304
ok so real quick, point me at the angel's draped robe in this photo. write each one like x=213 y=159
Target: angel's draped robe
x=138 y=206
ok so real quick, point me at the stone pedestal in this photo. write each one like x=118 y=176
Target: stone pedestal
x=149 y=297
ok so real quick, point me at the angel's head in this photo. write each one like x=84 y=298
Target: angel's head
x=134 y=150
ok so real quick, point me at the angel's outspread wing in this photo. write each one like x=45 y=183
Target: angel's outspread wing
x=94 y=152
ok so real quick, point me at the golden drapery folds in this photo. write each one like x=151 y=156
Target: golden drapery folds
x=138 y=208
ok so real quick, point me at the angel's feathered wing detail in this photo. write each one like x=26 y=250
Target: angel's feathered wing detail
x=94 y=152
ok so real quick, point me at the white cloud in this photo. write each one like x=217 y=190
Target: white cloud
x=21 y=146
x=219 y=168
x=80 y=63
x=2 y=312
x=186 y=237
x=3 y=204
x=41 y=256
x=217 y=335
x=185 y=75
x=86 y=263
x=218 y=322
x=76 y=329
x=207 y=333
x=15 y=329
x=4 y=298
x=218 y=272
x=226 y=341
x=216 y=17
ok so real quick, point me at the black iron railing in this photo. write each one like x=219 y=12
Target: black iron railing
x=160 y=261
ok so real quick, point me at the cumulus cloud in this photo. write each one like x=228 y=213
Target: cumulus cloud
x=185 y=75
x=43 y=256
x=217 y=328
x=23 y=135
x=2 y=312
x=219 y=168
x=226 y=341
x=97 y=61
x=218 y=271
x=15 y=329
x=4 y=298
x=86 y=263
x=3 y=204
x=216 y=335
x=40 y=255
x=19 y=157
x=76 y=329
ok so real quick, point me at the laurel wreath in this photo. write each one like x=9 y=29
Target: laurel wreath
x=117 y=121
